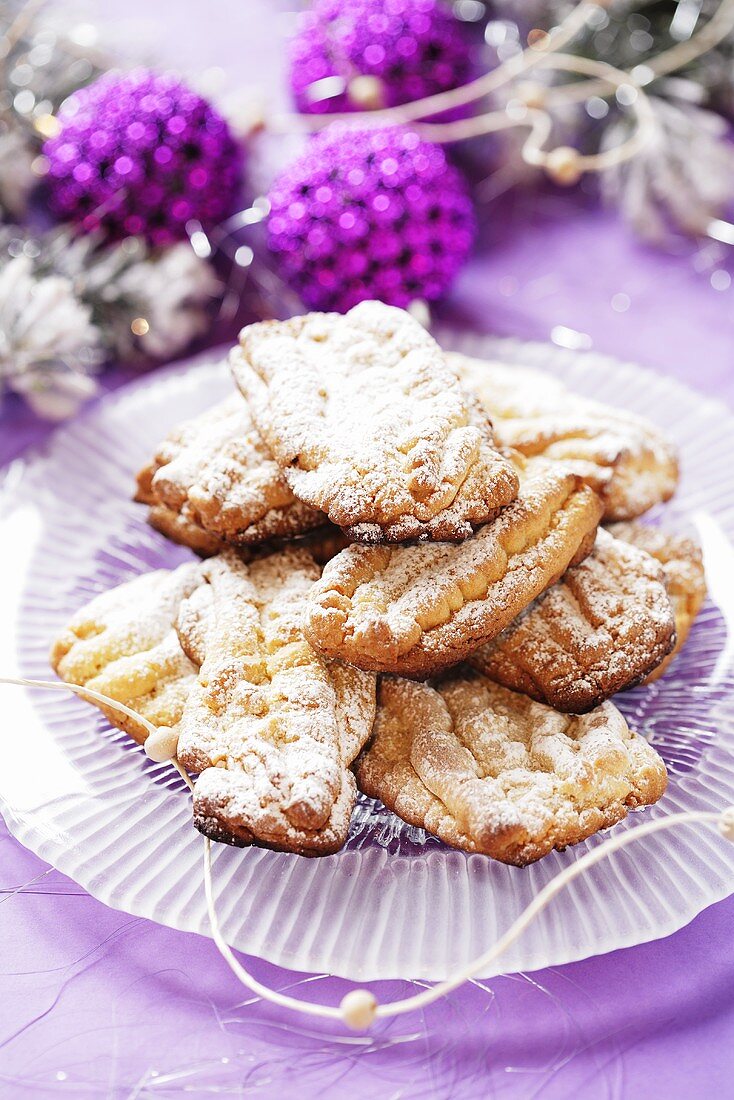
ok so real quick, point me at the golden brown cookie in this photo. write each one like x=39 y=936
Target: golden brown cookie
x=490 y=771
x=600 y=629
x=682 y=564
x=415 y=610
x=181 y=528
x=213 y=481
x=624 y=457
x=369 y=424
x=124 y=644
x=271 y=726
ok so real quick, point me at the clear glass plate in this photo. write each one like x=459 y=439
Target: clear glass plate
x=393 y=903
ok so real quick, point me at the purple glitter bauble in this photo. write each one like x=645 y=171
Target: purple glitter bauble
x=415 y=48
x=141 y=154
x=370 y=213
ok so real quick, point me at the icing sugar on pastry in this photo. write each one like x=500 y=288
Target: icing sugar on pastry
x=124 y=644
x=624 y=457
x=682 y=564
x=601 y=628
x=270 y=725
x=414 y=610
x=491 y=771
x=217 y=476
x=369 y=424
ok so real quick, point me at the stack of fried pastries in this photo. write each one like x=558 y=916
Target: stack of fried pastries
x=403 y=588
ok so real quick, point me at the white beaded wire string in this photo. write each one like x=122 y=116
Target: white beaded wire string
x=504 y=73
x=564 y=164
x=359 y=1009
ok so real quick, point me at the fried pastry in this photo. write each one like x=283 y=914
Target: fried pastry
x=213 y=481
x=490 y=771
x=602 y=628
x=369 y=424
x=124 y=644
x=181 y=528
x=415 y=610
x=682 y=564
x=324 y=542
x=628 y=461
x=270 y=725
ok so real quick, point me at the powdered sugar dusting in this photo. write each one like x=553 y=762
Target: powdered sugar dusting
x=491 y=771
x=270 y=724
x=369 y=424
x=216 y=473
x=624 y=457
x=417 y=609
x=602 y=628
x=682 y=564
x=123 y=644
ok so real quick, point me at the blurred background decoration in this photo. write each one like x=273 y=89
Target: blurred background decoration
x=370 y=212
x=134 y=222
x=681 y=53
x=132 y=165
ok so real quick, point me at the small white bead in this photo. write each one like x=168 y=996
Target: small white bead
x=358 y=1009
x=726 y=823
x=367 y=92
x=532 y=95
x=564 y=165
x=162 y=745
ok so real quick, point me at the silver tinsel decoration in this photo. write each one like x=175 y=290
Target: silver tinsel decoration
x=682 y=180
x=68 y=306
x=45 y=334
x=686 y=177
x=47 y=51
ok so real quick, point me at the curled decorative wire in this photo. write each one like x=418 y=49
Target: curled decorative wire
x=359 y=1008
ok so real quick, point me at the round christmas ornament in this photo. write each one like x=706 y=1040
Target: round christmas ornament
x=370 y=213
x=353 y=55
x=141 y=154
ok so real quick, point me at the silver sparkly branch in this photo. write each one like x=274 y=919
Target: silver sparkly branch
x=47 y=51
x=48 y=341
x=69 y=305
x=681 y=181
x=686 y=177
x=149 y=304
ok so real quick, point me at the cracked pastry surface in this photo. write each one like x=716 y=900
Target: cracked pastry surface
x=217 y=476
x=124 y=644
x=487 y=770
x=682 y=563
x=603 y=627
x=415 y=610
x=182 y=528
x=270 y=725
x=370 y=425
x=624 y=457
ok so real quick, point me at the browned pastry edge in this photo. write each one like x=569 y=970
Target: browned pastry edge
x=384 y=771
x=183 y=531
x=682 y=562
x=327 y=624
x=602 y=628
x=208 y=819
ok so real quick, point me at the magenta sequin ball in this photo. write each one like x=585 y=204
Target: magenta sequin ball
x=141 y=154
x=414 y=47
x=370 y=212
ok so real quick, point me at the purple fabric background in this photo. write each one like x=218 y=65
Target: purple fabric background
x=96 y=1003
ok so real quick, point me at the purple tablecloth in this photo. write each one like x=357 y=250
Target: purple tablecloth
x=96 y=1003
